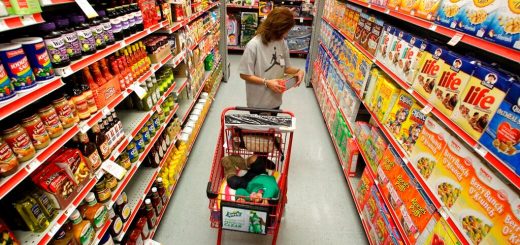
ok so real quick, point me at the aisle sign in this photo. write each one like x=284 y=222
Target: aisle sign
x=245 y=218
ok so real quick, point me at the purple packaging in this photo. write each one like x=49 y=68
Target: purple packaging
x=36 y=53
x=55 y=44
x=72 y=44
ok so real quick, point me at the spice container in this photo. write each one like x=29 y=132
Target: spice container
x=62 y=107
x=8 y=161
x=20 y=142
x=51 y=121
x=36 y=130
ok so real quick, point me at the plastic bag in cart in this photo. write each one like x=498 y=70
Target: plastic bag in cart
x=260 y=122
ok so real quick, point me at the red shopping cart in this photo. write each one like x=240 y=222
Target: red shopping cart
x=247 y=135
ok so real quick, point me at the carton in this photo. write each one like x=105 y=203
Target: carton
x=363 y=28
x=502 y=136
x=475 y=16
x=411 y=128
x=408 y=6
x=373 y=36
x=427 y=9
x=504 y=28
x=22 y=7
x=448 y=11
x=407 y=59
x=439 y=233
x=371 y=86
x=454 y=76
x=385 y=99
x=398 y=43
x=360 y=72
x=363 y=189
x=384 y=42
x=354 y=19
x=394 y=4
x=399 y=113
x=428 y=70
x=480 y=99
x=393 y=40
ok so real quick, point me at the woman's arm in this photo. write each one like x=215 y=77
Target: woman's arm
x=271 y=84
x=299 y=73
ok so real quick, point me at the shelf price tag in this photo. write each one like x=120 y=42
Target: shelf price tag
x=54 y=229
x=481 y=150
x=114 y=169
x=387 y=11
x=427 y=109
x=433 y=27
x=87 y=8
x=33 y=165
x=301 y=19
x=28 y=20
x=139 y=91
x=105 y=111
x=455 y=39
x=84 y=127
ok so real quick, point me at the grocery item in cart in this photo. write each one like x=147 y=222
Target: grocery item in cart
x=502 y=137
x=504 y=28
x=480 y=100
x=17 y=67
x=34 y=48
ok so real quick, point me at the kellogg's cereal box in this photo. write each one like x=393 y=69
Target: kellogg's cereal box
x=476 y=15
x=385 y=98
x=408 y=6
x=427 y=9
x=480 y=99
x=399 y=113
x=411 y=128
x=502 y=136
x=454 y=75
x=505 y=27
x=428 y=70
x=448 y=11
x=384 y=42
x=407 y=60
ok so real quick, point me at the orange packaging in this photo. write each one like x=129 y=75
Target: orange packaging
x=371 y=209
x=480 y=99
x=409 y=6
x=394 y=4
x=438 y=232
x=107 y=92
x=363 y=188
x=427 y=9
x=428 y=70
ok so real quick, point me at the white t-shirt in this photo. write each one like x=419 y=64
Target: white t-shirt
x=264 y=61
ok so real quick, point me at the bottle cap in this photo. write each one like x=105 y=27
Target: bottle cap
x=119 y=201
x=101 y=13
x=78 y=19
x=62 y=23
x=75 y=215
x=48 y=26
x=147 y=202
x=159 y=180
x=154 y=189
x=90 y=197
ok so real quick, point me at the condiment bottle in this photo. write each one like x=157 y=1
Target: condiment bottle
x=51 y=121
x=91 y=101
x=161 y=190
x=124 y=161
x=138 y=16
x=122 y=209
x=94 y=212
x=55 y=44
x=107 y=27
x=156 y=201
x=8 y=161
x=45 y=204
x=80 y=102
x=142 y=225
x=96 y=72
x=117 y=122
x=124 y=21
x=32 y=214
x=101 y=142
x=133 y=153
x=96 y=27
x=36 y=131
x=20 y=142
x=65 y=112
x=82 y=229
x=150 y=214
x=115 y=21
x=63 y=238
x=85 y=36
x=88 y=149
x=111 y=182
x=117 y=223
x=72 y=43
x=135 y=238
x=72 y=106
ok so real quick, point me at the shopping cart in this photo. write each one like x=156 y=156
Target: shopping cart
x=246 y=135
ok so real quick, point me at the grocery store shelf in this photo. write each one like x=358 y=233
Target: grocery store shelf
x=494 y=161
x=482 y=44
x=236 y=6
x=198 y=14
x=205 y=36
x=88 y=60
x=19 y=21
x=45 y=3
x=178 y=25
x=24 y=99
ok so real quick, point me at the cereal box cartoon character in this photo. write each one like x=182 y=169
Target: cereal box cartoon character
x=448 y=12
x=399 y=113
x=505 y=27
x=480 y=99
x=428 y=70
x=476 y=16
x=502 y=137
x=412 y=128
x=454 y=75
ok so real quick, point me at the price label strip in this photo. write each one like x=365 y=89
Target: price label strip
x=455 y=39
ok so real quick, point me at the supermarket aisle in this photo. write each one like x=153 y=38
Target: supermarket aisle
x=319 y=209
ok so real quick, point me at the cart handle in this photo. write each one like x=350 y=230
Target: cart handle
x=259 y=110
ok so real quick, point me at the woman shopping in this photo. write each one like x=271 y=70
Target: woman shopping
x=266 y=60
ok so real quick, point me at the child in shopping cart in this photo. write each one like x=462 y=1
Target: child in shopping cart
x=261 y=186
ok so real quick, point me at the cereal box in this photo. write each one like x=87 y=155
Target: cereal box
x=390 y=166
x=419 y=212
x=399 y=113
x=398 y=44
x=393 y=40
x=394 y=4
x=384 y=42
x=440 y=233
x=430 y=144
x=371 y=86
x=411 y=128
x=355 y=16
x=385 y=98
x=448 y=10
x=454 y=75
x=427 y=9
x=362 y=29
x=370 y=210
x=480 y=99
x=360 y=72
x=373 y=36
x=381 y=3
x=407 y=61
x=408 y=6
x=428 y=70
x=502 y=136
x=475 y=16
x=505 y=27
x=349 y=102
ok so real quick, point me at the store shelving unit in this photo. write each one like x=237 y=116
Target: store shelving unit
x=15 y=22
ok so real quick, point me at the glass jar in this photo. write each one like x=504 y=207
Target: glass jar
x=20 y=142
x=8 y=161
x=102 y=191
x=139 y=143
x=37 y=132
x=133 y=153
x=124 y=161
x=64 y=111
x=51 y=120
x=110 y=182
x=146 y=135
x=151 y=128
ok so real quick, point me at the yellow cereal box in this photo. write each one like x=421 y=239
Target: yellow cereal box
x=480 y=99
x=411 y=127
x=371 y=86
x=361 y=71
x=440 y=233
x=377 y=80
x=385 y=98
x=408 y=6
x=428 y=70
x=455 y=74
x=427 y=9
x=399 y=113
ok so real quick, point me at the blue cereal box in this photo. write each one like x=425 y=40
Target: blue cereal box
x=502 y=137
x=448 y=11
x=476 y=16
x=505 y=27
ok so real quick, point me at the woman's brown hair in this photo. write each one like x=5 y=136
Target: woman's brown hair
x=277 y=23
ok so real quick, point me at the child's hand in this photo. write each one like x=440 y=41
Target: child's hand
x=277 y=85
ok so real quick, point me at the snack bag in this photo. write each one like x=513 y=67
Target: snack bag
x=428 y=70
x=407 y=61
x=385 y=99
x=504 y=29
x=409 y=6
x=448 y=11
x=476 y=16
x=399 y=113
x=502 y=136
x=427 y=9
x=411 y=128
x=480 y=99
x=454 y=75
x=426 y=153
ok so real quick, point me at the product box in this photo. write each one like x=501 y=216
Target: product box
x=23 y=7
x=233 y=31
x=399 y=113
x=448 y=12
x=265 y=7
x=371 y=86
x=408 y=6
x=502 y=136
x=394 y=4
x=360 y=72
x=476 y=16
x=438 y=233
x=349 y=102
x=248 y=19
x=454 y=76
x=480 y=99
x=246 y=34
x=411 y=128
x=408 y=57
x=428 y=70
x=355 y=14
x=370 y=210
x=385 y=98
x=395 y=49
x=390 y=166
x=374 y=35
x=363 y=189
x=504 y=28
x=363 y=28
x=351 y=157
x=384 y=43
x=381 y=3
x=427 y=9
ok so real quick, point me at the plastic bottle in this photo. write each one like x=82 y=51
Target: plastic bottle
x=122 y=209
x=131 y=18
x=161 y=189
x=94 y=212
x=142 y=225
x=139 y=26
x=107 y=28
x=86 y=39
x=124 y=21
x=150 y=214
x=98 y=32
x=156 y=201
x=55 y=44
x=82 y=229
x=32 y=214
x=72 y=43
x=115 y=21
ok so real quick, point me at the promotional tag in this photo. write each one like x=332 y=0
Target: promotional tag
x=114 y=169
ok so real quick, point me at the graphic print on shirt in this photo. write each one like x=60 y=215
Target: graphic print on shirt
x=274 y=61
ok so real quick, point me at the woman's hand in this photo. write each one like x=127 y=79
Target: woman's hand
x=276 y=85
x=300 y=74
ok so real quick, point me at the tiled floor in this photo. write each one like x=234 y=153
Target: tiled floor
x=320 y=209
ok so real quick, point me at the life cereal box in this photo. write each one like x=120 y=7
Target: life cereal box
x=427 y=9
x=505 y=27
x=408 y=60
x=398 y=44
x=408 y=6
x=373 y=36
x=453 y=78
x=399 y=113
x=480 y=99
x=476 y=16
x=448 y=11
x=384 y=42
x=411 y=128
x=430 y=144
x=502 y=136
x=394 y=4
x=393 y=40
x=428 y=70
x=386 y=98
